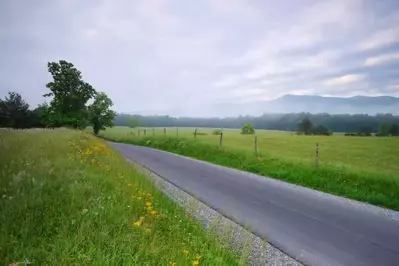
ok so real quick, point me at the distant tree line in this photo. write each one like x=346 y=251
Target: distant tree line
x=320 y=123
x=306 y=127
x=68 y=107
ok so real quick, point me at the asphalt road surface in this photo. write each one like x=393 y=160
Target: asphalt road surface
x=312 y=227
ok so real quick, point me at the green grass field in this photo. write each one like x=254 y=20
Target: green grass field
x=361 y=168
x=68 y=199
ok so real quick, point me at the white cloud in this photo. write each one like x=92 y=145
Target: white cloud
x=344 y=80
x=381 y=59
x=394 y=87
x=381 y=38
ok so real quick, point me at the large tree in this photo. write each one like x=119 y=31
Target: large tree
x=247 y=129
x=70 y=95
x=100 y=114
x=394 y=130
x=320 y=130
x=383 y=129
x=305 y=126
x=14 y=111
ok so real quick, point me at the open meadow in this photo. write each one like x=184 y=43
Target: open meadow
x=69 y=199
x=362 y=168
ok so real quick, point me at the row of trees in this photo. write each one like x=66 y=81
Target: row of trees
x=288 y=122
x=69 y=105
x=306 y=127
x=388 y=130
x=15 y=112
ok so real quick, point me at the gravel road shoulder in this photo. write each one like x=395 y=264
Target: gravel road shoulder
x=252 y=248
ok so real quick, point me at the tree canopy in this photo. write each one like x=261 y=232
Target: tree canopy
x=70 y=94
x=305 y=126
x=247 y=129
x=14 y=111
x=100 y=114
x=394 y=130
x=68 y=107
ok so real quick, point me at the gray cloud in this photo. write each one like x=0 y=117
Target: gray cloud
x=186 y=57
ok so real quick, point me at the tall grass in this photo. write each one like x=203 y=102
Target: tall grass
x=68 y=199
x=380 y=189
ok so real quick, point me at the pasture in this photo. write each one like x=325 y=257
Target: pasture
x=375 y=154
x=362 y=168
x=69 y=199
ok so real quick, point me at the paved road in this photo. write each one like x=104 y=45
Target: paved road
x=313 y=227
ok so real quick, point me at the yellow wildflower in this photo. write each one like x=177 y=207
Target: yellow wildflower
x=153 y=212
x=196 y=262
x=148 y=203
x=185 y=252
x=172 y=263
x=137 y=224
x=147 y=230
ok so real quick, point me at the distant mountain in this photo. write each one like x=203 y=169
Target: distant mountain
x=310 y=104
x=332 y=105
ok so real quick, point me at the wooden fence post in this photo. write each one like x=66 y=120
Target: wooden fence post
x=145 y=132
x=317 y=155
x=164 y=131
x=153 y=131
x=221 y=139
x=195 y=134
x=256 y=145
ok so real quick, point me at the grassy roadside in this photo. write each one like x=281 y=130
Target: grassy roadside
x=68 y=199
x=375 y=188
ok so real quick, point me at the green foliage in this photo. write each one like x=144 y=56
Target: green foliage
x=132 y=121
x=247 y=129
x=216 y=132
x=365 y=131
x=70 y=95
x=305 y=126
x=394 y=130
x=100 y=114
x=383 y=130
x=321 y=130
x=200 y=133
x=14 y=111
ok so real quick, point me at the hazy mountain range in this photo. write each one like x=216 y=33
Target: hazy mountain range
x=314 y=104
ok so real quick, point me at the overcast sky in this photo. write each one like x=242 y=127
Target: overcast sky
x=182 y=57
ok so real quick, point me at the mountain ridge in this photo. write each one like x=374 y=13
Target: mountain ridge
x=358 y=104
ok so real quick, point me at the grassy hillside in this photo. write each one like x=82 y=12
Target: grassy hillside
x=68 y=199
x=360 y=168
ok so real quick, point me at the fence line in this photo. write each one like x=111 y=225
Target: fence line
x=221 y=136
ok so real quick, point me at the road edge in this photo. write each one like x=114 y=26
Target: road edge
x=237 y=237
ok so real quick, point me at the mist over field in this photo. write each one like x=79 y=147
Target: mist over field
x=303 y=103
